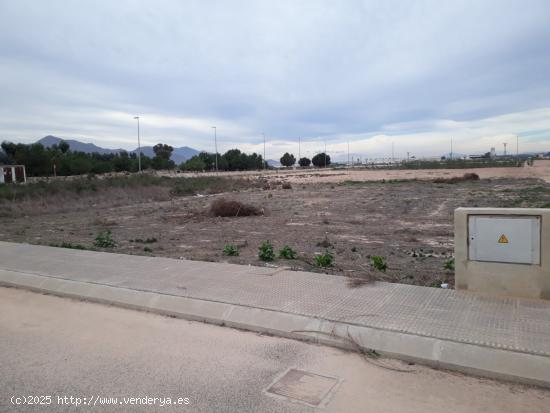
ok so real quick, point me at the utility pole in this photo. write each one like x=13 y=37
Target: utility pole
x=348 y=155
x=299 y=148
x=139 y=145
x=504 y=148
x=216 y=145
x=451 y=149
x=392 y=152
x=325 y=153
x=265 y=160
x=408 y=156
x=517 y=147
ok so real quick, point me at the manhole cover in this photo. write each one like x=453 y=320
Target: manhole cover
x=312 y=389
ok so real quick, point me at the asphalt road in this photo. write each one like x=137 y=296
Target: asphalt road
x=59 y=347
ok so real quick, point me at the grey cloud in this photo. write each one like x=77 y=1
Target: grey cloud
x=308 y=68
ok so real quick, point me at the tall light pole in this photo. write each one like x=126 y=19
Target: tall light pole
x=299 y=148
x=517 y=147
x=325 y=153
x=265 y=160
x=348 y=155
x=216 y=145
x=139 y=145
x=505 y=148
x=451 y=149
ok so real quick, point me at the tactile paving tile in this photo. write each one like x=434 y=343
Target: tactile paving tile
x=500 y=322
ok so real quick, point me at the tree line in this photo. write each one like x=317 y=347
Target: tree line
x=320 y=160
x=59 y=159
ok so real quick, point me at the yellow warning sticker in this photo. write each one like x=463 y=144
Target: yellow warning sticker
x=503 y=239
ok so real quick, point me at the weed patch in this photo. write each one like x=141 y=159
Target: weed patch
x=228 y=208
x=230 y=250
x=105 y=240
x=324 y=260
x=265 y=252
x=379 y=263
x=287 y=253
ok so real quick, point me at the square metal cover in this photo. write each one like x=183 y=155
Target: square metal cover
x=306 y=387
x=504 y=238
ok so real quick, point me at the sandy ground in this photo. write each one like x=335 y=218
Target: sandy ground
x=409 y=223
x=539 y=170
x=61 y=347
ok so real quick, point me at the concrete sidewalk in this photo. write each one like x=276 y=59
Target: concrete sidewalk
x=491 y=336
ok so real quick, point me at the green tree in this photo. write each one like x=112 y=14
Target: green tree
x=288 y=160
x=122 y=162
x=321 y=160
x=303 y=162
x=193 y=164
x=162 y=159
x=63 y=147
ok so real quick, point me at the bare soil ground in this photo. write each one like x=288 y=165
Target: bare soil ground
x=408 y=222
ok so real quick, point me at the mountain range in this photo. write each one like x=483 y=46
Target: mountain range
x=179 y=155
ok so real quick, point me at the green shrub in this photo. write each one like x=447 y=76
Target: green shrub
x=265 y=252
x=105 y=240
x=379 y=263
x=287 y=253
x=147 y=249
x=449 y=264
x=324 y=260
x=230 y=250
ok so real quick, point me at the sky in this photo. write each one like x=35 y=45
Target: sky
x=408 y=75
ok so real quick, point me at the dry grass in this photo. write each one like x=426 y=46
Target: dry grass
x=456 y=179
x=229 y=208
x=356 y=282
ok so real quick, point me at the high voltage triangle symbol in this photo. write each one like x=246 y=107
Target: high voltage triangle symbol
x=503 y=239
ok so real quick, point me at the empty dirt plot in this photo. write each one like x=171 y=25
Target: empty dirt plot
x=407 y=224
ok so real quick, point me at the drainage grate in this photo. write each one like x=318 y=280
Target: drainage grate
x=309 y=388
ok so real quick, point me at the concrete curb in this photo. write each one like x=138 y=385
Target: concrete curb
x=467 y=358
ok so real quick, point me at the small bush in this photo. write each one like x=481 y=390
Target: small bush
x=286 y=185
x=230 y=250
x=265 y=252
x=147 y=249
x=287 y=253
x=105 y=240
x=324 y=260
x=449 y=264
x=379 y=263
x=456 y=179
x=228 y=208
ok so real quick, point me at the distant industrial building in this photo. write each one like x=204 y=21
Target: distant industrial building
x=12 y=174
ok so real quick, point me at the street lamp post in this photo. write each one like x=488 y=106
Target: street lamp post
x=216 y=146
x=265 y=160
x=325 y=153
x=349 y=165
x=139 y=145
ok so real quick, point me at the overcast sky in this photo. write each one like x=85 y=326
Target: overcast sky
x=415 y=73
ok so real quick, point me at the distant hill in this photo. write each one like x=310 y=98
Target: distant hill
x=76 y=146
x=179 y=155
